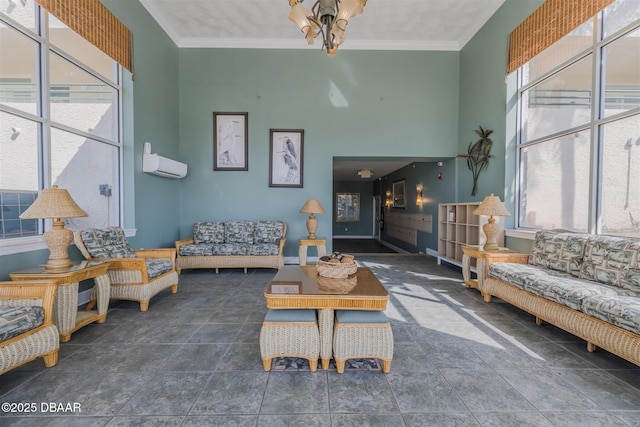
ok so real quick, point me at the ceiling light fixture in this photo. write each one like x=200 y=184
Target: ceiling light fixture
x=329 y=17
x=365 y=173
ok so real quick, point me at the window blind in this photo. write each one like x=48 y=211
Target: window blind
x=96 y=24
x=553 y=20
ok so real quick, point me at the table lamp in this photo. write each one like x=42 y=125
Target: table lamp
x=55 y=203
x=491 y=206
x=312 y=206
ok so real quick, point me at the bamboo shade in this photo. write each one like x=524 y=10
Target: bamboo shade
x=96 y=24
x=553 y=20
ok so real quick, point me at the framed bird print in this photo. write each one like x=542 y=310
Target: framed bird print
x=286 y=148
x=230 y=141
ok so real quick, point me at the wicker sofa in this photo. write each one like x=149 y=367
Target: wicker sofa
x=233 y=244
x=26 y=324
x=585 y=284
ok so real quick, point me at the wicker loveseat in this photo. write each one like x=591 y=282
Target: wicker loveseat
x=233 y=244
x=587 y=285
x=26 y=324
x=135 y=275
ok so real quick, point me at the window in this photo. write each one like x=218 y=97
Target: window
x=579 y=128
x=60 y=121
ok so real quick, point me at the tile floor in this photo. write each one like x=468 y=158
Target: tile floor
x=193 y=360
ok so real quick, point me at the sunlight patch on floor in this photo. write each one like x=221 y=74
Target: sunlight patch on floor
x=429 y=311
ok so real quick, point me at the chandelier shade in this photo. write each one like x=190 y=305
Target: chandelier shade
x=326 y=17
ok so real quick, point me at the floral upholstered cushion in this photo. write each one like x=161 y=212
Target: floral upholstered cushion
x=208 y=232
x=520 y=274
x=559 y=251
x=571 y=291
x=239 y=232
x=107 y=242
x=157 y=266
x=613 y=261
x=200 y=249
x=622 y=311
x=18 y=320
x=230 y=249
x=263 y=249
x=268 y=232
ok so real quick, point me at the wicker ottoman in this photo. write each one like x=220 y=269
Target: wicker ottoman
x=290 y=333
x=362 y=334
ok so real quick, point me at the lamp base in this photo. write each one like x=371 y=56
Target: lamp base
x=58 y=240
x=491 y=230
x=312 y=226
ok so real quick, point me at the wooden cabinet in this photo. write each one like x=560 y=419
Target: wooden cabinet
x=458 y=226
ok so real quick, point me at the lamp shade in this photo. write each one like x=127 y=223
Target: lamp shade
x=53 y=203
x=492 y=206
x=312 y=206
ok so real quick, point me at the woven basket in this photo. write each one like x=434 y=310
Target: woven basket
x=337 y=286
x=338 y=270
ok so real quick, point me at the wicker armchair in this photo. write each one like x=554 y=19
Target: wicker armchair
x=41 y=341
x=135 y=275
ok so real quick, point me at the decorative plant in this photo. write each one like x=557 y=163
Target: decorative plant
x=478 y=155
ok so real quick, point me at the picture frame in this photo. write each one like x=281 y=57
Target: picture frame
x=285 y=287
x=347 y=207
x=230 y=141
x=286 y=154
x=399 y=194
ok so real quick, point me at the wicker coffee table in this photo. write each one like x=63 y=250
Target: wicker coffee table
x=300 y=287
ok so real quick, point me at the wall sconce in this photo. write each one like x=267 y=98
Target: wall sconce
x=388 y=201
x=418 y=194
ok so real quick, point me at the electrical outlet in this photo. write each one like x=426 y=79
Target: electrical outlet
x=105 y=190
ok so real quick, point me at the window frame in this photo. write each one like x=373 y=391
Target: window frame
x=595 y=126
x=42 y=119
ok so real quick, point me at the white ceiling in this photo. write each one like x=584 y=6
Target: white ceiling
x=384 y=25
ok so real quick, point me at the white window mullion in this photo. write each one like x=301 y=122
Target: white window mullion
x=597 y=109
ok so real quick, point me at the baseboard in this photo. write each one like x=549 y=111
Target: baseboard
x=394 y=247
x=351 y=237
x=431 y=252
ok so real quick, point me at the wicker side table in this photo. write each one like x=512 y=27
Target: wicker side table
x=320 y=243
x=66 y=315
x=477 y=252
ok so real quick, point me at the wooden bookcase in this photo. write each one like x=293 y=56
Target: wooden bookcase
x=458 y=226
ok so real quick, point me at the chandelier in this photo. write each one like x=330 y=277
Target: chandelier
x=329 y=17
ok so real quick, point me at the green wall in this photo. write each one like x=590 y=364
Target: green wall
x=434 y=191
x=357 y=104
x=483 y=97
x=360 y=103
x=155 y=120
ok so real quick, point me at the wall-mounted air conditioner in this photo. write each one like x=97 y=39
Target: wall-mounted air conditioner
x=162 y=166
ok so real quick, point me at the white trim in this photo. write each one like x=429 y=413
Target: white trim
x=20 y=245
x=431 y=252
x=394 y=247
x=351 y=236
x=521 y=234
x=35 y=243
x=246 y=43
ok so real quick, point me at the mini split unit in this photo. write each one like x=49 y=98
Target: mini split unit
x=162 y=166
